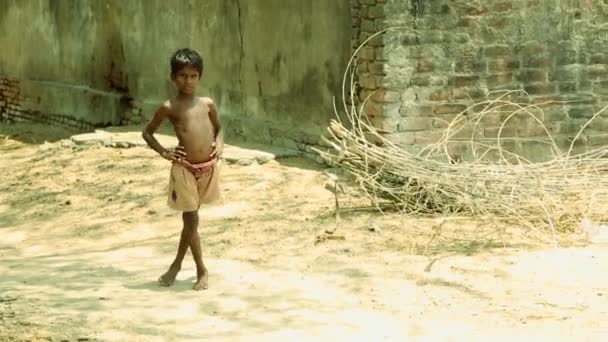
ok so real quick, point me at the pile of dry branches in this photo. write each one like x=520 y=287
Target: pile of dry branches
x=549 y=197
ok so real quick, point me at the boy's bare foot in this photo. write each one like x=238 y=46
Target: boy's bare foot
x=201 y=281
x=168 y=278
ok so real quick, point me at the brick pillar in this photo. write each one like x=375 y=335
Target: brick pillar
x=9 y=98
x=369 y=19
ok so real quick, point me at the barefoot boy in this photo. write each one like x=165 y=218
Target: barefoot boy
x=195 y=169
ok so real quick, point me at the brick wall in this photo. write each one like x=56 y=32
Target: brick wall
x=9 y=98
x=15 y=107
x=452 y=52
x=368 y=18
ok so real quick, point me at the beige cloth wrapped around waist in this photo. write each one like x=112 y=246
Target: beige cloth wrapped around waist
x=198 y=170
x=191 y=185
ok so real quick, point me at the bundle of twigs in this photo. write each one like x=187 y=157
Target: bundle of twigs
x=548 y=197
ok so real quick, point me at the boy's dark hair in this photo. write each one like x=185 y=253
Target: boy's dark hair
x=186 y=57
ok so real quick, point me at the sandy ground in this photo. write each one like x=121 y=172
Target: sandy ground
x=85 y=232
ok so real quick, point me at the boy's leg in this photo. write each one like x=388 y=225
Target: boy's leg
x=195 y=248
x=168 y=278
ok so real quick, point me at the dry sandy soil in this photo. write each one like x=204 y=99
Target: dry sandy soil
x=85 y=232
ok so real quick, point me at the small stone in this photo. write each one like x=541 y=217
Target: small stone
x=66 y=143
x=151 y=212
x=374 y=228
x=263 y=159
x=92 y=138
x=46 y=146
x=244 y=162
x=68 y=202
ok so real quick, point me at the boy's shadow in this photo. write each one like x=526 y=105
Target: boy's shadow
x=153 y=285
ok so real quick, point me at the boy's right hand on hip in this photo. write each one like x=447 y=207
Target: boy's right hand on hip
x=174 y=154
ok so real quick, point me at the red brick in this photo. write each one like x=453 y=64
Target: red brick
x=539 y=89
x=532 y=48
x=499 y=22
x=503 y=64
x=537 y=62
x=547 y=102
x=597 y=72
x=443 y=121
x=387 y=125
x=440 y=95
x=462 y=133
x=464 y=81
x=581 y=112
x=367 y=53
x=386 y=96
x=362 y=68
x=420 y=81
x=403 y=138
x=497 y=51
x=600 y=58
x=507 y=132
x=468 y=22
x=535 y=130
x=376 y=11
x=425 y=65
x=499 y=79
x=467 y=93
x=475 y=10
x=10 y=93
x=373 y=109
x=449 y=108
x=460 y=93
x=468 y=64
x=368 y=81
x=503 y=6
x=418 y=110
x=427 y=137
x=567 y=87
x=376 y=68
x=415 y=123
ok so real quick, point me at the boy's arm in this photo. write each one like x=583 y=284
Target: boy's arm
x=148 y=134
x=217 y=128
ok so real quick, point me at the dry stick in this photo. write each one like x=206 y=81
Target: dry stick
x=440 y=182
x=583 y=128
x=555 y=242
x=337 y=188
x=436 y=232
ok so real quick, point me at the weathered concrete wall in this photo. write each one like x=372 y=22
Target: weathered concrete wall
x=272 y=66
x=452 y=51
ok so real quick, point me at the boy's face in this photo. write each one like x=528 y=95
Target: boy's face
x=186 y=80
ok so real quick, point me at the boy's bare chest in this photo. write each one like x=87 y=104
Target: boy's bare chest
x=187 y=121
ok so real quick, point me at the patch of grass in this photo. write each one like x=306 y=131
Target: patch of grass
x=456 y=286
x=354 y=273
x=33 y=197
